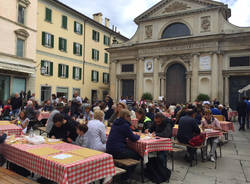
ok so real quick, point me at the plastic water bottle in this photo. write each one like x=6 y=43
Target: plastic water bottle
x=31 y=132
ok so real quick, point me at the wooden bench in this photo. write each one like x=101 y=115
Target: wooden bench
x=118 y=171
x=172 y=152
x=9 y=177
x=42 y=130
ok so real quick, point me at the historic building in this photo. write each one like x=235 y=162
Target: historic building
x=183 y=48
x=71 y=52
x=17 y=47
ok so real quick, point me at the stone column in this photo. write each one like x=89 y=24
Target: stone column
x=195 y=77
x=214 y=77
x=139 y=77
x=156 y=81
x=188 y=88
x=31 y=84
x=162 y=86
x=113 y=81
x=226 y=90
x=220 y=77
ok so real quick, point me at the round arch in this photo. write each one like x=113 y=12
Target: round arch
x=173 y=22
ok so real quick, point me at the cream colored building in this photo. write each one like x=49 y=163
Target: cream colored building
x=17 y=47
x=183 y=48
x=71 y=52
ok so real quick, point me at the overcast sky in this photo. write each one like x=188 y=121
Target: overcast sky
x=122 y=12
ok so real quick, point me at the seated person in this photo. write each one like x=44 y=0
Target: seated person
x=22 y=121
x=188 y=128
x=63 y=129
x=117 y=140
x=48 y=106
x=162 y=127
x=209 y=122
x=96 y=135
x=144 y=123
x=88 y=114
x=215 y=110
x=116 y=114
x=81 y=138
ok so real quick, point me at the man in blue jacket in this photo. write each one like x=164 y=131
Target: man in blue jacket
x=248 y=111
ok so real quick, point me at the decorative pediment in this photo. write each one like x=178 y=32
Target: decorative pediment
x=25 y=3
x=22 y=33
x=176 y=7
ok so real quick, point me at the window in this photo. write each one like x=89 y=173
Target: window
x=77 y=27
x=64 y=22
x=128 y=68
x=77 y=50
x=239 y=61
x=95 y=54
x=45 y=93
x=106 y=58
x=62 y=92
x=95 y=76
x=18 y=85
x=48 y=67
x=63 y=71
x=21 y=11
x=77 y=73
x=48 y=15
x=106 y=40
x=20 y=47
x=62 y=44
x=95 y=35
x=176 y=30
x=47 y=40
x=105 y=78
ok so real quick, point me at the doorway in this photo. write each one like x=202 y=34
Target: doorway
x=128 y=88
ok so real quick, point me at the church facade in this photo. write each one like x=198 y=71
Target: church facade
x=183 y=48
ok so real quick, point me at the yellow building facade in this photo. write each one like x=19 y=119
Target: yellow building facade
x=71 y=52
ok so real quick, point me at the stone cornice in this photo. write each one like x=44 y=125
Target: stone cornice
x=227 y=73
x=126 y=76
x=16 y=57
x=204 y=72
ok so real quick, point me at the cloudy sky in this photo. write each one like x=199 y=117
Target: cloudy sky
x=123 y=12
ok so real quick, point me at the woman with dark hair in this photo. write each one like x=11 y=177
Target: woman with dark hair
x=22 y=121
x=120 y=106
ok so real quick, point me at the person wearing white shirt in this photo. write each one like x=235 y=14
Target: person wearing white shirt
x=96 y=134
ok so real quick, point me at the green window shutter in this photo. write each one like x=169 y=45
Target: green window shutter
x=80 y=74
x=65 y=45
x=108 y=41
x=42 y=65
x=60 y=43
x=104 y=39
x=74 y=72
x=48 y=14
x=81 y=28
x=93 y=54
x=59 y=70
x=108 y=78
x=80 y=50
x=75 y=26
x=52 y=41
x=43 y=38
x=92 y=75
x=67 y=71
x=97 y=76
x=74 y=48
x=64 y=21
x=51 y=69
x=93 y=35
x=97 y=55
x=106 y=58
x=103 y=77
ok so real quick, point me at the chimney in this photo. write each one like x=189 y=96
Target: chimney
x=107 y=22
x=113 y=27
x=98 y=17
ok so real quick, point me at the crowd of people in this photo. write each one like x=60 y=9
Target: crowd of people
x=78 y=122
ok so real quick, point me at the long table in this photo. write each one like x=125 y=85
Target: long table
x=10 y=129
x=84 y=165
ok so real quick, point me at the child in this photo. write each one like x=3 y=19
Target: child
x=81 y=139
x=22 y=121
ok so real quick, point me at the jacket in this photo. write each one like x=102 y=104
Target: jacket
x=188 y=128
x=119 y=133
x=164 y=129
x=145 y=124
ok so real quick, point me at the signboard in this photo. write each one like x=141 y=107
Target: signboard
x=205 y=63
x=149 y=66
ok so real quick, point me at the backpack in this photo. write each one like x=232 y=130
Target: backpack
x=156 y=172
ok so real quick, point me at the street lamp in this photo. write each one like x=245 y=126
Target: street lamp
x=43 y=70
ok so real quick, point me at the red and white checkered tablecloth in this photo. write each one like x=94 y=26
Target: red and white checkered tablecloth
x=227 y=126
x=10 y=129
x=84 y=171
x=143 y=147
x=213 y=133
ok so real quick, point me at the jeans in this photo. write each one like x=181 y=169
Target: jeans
x=242 y=120
x=15 y=112
x=162 y=155
x=213 y=144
